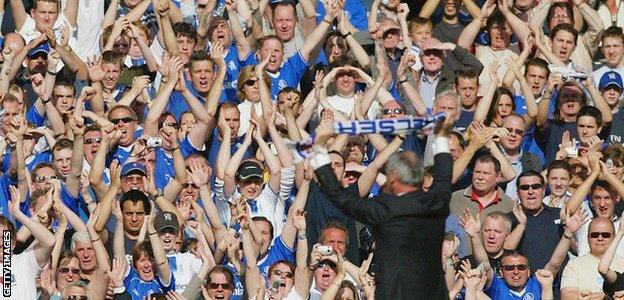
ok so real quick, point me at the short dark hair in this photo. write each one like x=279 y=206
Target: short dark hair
x=219 y=269
x=565 y=27
x=266 y=220
x=135 y=196
x=334 y=224
x=604 y=185
x=489 y=158
x=139 y=249
x=560 y=164
x=497 y=18
x=530 y=173
x=615 y=152
x=512 y=253
x=186 y=30
x=538 y=63
x=199 y=56
x=466 y=73
x=565 y=5
x=590 y=111
x=112 y=57
x=614 y=32
x=61 y=144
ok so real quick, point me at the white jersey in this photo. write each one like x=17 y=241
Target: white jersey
x=184 y=266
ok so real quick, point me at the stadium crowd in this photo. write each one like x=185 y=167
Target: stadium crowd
x=151 y=149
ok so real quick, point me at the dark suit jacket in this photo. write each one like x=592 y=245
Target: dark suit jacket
x=408 y=230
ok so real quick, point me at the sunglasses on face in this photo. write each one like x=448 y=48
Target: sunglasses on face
x=123 y=120
x=67 y=270
x=595 y=235
x=327 y=265
x=434 y=52
x=250 y=82
x=225 y=286
x=516 y=131
x=286 y=274
x=353 y=174
x=526 y=187
x=77 y=297
x=189 y=184
x=388 y=111
x=90 y=141
x=42 y=179
x=513 y=267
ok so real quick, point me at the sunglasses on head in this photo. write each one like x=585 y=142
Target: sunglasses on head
x=286 y=274
x=42 y=179
x=596 y=234
x=526 y=187
x=90 y=141
x=225 y=286
x=513 y=267
x=124 y=120
x=388 y=111
x=250 y=82
x=67 y=270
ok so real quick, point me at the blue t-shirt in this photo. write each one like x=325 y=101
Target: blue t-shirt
x=233 y=66
x=164 y=163
x=138 y=288
x=34 y=117
x=215 y=144
x=278 y=251
x=500 y=290
x=289 y=75
x=5 y=195
x=354 y=9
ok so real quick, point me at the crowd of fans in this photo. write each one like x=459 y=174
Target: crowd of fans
x=147 y=145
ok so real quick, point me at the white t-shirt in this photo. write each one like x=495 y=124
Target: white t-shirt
x=184 y=266
x=488 y=56
x=24 y=271
x=245 y=114
x=29 y=30
x=266 y=202
x=89 y=27
x=345 y=105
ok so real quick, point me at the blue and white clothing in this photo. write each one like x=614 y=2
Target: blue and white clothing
x=500 y=290
x=183 y=266
x=164 y=162
x=289 y=75
x=138 y=289
x=278 y=251
x=232 y=69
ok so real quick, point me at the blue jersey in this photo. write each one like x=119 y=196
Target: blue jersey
x=215 y=144
x=164 y=168
x=232 y=69
x=33 y=116
x=5 y=195
x=289 y=75
x=354 y=9
x=138 y=288
x=278 y=251
x=500 y=290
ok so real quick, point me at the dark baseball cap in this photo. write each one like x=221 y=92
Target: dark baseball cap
x=249 y=169
x=166 y=219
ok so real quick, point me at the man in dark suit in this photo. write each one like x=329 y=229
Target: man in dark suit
x=407 y=222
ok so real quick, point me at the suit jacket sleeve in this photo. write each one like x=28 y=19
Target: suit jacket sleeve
x=467 y=59
x=367 y=211
x=442 y=187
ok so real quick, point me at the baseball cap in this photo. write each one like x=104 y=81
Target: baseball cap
x=610 y=78
x=133 y=167
x=41 y=48
x=249 y=169
x=166 y=219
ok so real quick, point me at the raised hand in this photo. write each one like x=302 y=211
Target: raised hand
x=471 y=225
x=216 y=53
x=199 y=175
x=545 y=278
x=118 y=269
x=299 y=220
x=14 y=204
x=94 y=69
x=368 y=281
x=573 y=223
x=518 y=212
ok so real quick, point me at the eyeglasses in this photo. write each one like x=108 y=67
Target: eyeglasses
x=516 y=131
x=387 y=111
x=124 y=120
x=513 y=267
x=596 y=234
x=90 y=141
x=77 y=297
x=286 y=274
x=174 y=125
x=327 y=265
x=435 y=52
x=526 y=187
x=42 y=179
x=189 y=184
x=215 y=285
x=250 y=82
x=67 y=270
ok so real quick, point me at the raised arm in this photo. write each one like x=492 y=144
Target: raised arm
x=271 y=160
x=19 y=13
x=428 y=8
x=577 y=198
x=572 y=225
x=314 y=38
x=212 y=101
x=407 y=60
x=160 y=257
x=45 y=238
x=470 y=32
x=229 y=182
x=107 y=202
x=604 y=267
x=77 y=124
x=485 y=104
x=368 y=177
x=101 y=256
x=356 y=49
x=519 y=27
x=514 y=238
x=162 y=97
x=242 y=45
x=303 y=275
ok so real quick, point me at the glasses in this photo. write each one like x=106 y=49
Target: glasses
x=90 y=141
x=215 y=285
x=388 y=111
x=189 y=184
x=286 y=274
x=516 y=131
x=67 y=270
x=513 y=267
x=353 y=174
x=435 y=52
x=526 y=187
x=595 y=235
x=327 y=265
x=42 y=179
x=77 y=297
x=174 y=125
x=250 y=82
x=123 y=120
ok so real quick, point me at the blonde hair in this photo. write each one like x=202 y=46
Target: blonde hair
x=245 y=74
